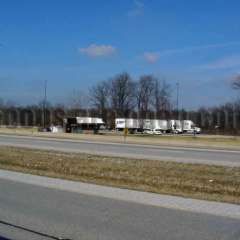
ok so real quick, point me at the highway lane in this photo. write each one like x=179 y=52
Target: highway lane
x=180 y=154
x=77 y=216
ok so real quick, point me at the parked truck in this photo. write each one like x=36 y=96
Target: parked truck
x=78 y=124
x=160 y=125
x=188 y=126
x=130 y=123
x=175 y=126
x=156 y=126
x=142 y=125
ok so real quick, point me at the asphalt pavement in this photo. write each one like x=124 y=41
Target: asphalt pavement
x=34 y=212
x=178 y=154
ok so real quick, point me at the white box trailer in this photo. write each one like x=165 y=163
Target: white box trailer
x=141 y=124
x=175 y=126
x=147 y=124
x=89 y=120
x=161 y=125
x=78 y=124
x=130 y=123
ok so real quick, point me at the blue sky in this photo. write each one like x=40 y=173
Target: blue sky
x=73 y=44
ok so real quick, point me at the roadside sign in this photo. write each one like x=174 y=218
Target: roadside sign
x=125 y=131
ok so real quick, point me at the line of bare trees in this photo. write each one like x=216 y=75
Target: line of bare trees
x=121 y=96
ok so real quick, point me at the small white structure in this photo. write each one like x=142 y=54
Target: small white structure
x=56 y=129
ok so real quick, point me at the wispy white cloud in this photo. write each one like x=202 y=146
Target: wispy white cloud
x=223 y=63
x=151 y=57
x=174 y=51
x=235 y=81
x=97 y=51
x=137 y=10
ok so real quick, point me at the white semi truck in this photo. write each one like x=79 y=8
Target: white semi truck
x=141 y=124
x=188 y=126
x=175 y=126
x=184 y=126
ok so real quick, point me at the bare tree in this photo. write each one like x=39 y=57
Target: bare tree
x=122 y=94
x=236 y=82
x=161 y=95
x=75 y=100
x=1 y=103
x=78 y=102
x=10 y=104
x=78 y=99
x=99 y=96
x=145 y=92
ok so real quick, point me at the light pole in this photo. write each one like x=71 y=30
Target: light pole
x=44 y=104
x=177 y=96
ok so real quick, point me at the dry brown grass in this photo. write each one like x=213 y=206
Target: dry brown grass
x=189 y=180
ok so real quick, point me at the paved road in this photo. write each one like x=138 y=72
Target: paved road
x=77 y=216
x=217 y=157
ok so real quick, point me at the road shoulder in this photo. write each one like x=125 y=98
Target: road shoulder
x=157 y=200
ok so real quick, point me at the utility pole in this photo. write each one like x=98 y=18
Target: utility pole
x=177 y=98
x=44 y=104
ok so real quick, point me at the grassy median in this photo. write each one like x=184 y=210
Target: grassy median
x=188 y=180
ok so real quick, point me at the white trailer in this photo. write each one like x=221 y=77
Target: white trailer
x=141 y=124
x=160 y=125
x=89 y=120
x=78 y=124
x=130 y=123
x=147 y=124
x=175 y=126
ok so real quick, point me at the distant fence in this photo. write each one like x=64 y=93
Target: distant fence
x=217 y=121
